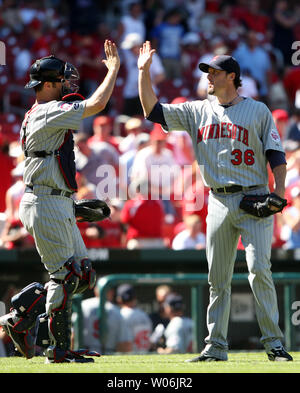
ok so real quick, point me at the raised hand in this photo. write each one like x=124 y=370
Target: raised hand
x=112 y=57
x=145 y=57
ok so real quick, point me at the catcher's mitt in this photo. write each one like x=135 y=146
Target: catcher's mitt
x=263 y=205
x=91 y=210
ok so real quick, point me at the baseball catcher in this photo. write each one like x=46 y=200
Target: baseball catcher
x=47 y=208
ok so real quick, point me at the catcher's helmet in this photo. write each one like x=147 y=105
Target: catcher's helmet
x=52 y=69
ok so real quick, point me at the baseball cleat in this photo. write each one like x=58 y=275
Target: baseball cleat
x=204 y=358
x=279 y=354
x=23 y=342
x=57 y=355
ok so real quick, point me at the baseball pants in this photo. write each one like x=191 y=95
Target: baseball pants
x=51 y=221
x=225 y=223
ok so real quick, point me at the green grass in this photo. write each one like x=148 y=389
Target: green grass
x=239 y=362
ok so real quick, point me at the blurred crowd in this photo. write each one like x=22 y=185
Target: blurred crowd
x=117 y=150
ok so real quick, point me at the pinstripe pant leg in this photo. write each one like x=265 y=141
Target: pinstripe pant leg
x=222 y=239
x=256 y=238
x=50 y=221
x=80 y=251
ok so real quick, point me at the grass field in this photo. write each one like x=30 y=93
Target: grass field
x=239 y=362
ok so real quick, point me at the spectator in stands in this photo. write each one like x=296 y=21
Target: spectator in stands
x=14 y=235
x=102 y=132
x=179 y=331
x=138 y=322
x=216 y=47
x=126 y=161
x=293 y=162
x=195 y=196
x=84 y=16
x=15 y=192
x=166 y=37
x=254 y=18
x=86 y=190
x=89 y=161
x=153 y=12
x=249 y=86
x=291 y=217
x=6 y=165
x=281 y=120
x=114 y=231
x=191 y=51
x=293 y=131
x=117 y=337
x=133 y=127
x=87 y=59
x=157 y=164
x=144 y=220
x=226 y=24
x=195 y=9
x=192 y=237
x=22 y=63
x=132 y=22
x=256 y=60
x=39 y=45
x=285 y=18
x=131 y=47
x=109 y=233
x=291 y=82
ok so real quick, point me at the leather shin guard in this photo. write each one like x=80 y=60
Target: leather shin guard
x=60 y=317
x=88 y=280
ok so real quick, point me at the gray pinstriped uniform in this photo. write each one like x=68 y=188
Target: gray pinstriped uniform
x=49 y=218
x=179 y=334
x=230 y=146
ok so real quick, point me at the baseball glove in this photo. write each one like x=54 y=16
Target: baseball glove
x=263 y=205
x=91 y=210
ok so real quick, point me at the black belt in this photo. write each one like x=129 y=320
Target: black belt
x=232 y=189
x=53 y=192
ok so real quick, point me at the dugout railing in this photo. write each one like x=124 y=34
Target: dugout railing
x=197 y=284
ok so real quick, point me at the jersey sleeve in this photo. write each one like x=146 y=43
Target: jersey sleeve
x=180 y=117
x=65 y=115
x=270 y=135
x=175 y=337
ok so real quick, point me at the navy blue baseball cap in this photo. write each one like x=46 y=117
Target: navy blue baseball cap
x=222 y=63
x=126 y=292
x=175 y=301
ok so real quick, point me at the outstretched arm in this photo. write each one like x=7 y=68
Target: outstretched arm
x=97 y=102
x=147 y=96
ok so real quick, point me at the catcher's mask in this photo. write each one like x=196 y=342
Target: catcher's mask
x=52 y=69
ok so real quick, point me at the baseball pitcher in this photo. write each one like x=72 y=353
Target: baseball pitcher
x=233 y=138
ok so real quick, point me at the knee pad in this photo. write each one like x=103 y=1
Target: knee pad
x=21 y=324
x=88 y=280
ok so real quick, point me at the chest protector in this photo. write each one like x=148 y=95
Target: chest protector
x=64 y=154
x=66 y=160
